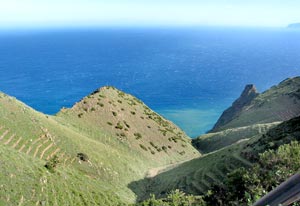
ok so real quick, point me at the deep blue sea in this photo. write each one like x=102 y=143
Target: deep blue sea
x=189 y=75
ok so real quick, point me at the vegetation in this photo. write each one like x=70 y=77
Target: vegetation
x=43 y=163
x=175 y=198
x=52 y=163
x=137 y=135
x=245 y=186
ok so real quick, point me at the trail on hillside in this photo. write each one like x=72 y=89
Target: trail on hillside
x=157 y=170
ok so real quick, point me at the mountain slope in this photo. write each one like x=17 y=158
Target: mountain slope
x=279 y=103
x=213 y=141
x=197 y=176
x=95 y=164
x=237 y=107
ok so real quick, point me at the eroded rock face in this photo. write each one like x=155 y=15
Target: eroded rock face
x=249 y=93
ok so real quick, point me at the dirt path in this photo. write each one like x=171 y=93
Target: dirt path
x=155 y=171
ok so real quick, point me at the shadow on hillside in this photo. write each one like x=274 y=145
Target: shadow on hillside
x=163 y=183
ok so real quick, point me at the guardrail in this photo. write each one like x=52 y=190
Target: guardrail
x=285 y=194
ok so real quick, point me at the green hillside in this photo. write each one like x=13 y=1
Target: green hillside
x=213 y=141
x=252 y=114
x=279 y=103
x=111 y=149
x=199 y=175
x=99 y=152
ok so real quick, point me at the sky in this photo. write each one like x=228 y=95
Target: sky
x=73 y=13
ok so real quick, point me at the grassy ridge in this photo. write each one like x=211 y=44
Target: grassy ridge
x=279 y=103
x=29 y=140
x=199 y=175
x=214 y=141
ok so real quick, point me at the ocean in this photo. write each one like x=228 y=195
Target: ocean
x=188 y=75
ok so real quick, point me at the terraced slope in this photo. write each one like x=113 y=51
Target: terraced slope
x=279 y=103
x=197 y=176
x=214 y=141
x=29 y=139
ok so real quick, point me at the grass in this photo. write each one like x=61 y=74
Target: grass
x=195 y=176
x=214 y=141
x=29 y=139
x=279 y=103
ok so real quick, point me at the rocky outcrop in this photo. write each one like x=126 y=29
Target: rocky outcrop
x=249 y=93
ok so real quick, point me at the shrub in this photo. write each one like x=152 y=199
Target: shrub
x=52 y=163
x=83 y=157
x=137 y=135
x=126 y=124
x=114 y=113
x=100 y=104
x=175 y=198
x=122 y=134
x=182 y=152
x=80 y=115
x=109 y=123
x=132 y=112
x=143 y=147
x=119 y=126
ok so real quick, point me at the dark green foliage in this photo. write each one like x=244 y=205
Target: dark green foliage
x=246 y=186
x=100 y=104
x=284 y=133
x=182 y=152
x=114 y=113
x=109 y=123
x=83 y=157
x=126 y=124
x=137 y=135
x=175 y=198
x=132 y=112
x=93 y=109
x=143 y=147
x=164 y=148
x=122 y=134
x=120 y=101
x=119 y=126
x=52 y=163
x=80 y=115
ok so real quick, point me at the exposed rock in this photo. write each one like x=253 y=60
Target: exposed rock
x=249 y=93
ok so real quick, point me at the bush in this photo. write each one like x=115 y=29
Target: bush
x=100 y=104
x=137 y=135
x=245 y=186
x=119 y=126
x=109 y=123
x=83 y=157
x=175 y=198
x=143 y=147
x=132 y=112
x=52 y=163
x=114 y=113
x=126 y=124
